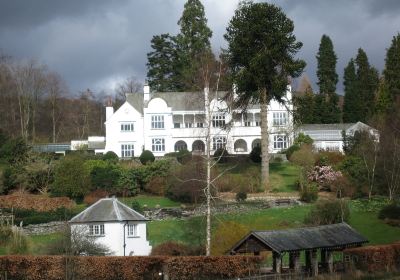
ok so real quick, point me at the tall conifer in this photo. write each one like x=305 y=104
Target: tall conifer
x=351 y=106
x=392 y=67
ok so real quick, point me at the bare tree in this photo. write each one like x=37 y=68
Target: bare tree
x=129 y=85
x=56 y=88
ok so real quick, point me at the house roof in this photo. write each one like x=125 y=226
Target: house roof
x=327 y=236
x=108 y=210
x=331 y=126
x=93 y=145
x=136 y=101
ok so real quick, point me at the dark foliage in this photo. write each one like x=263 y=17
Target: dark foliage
x=391 y=211
x=146 y=157
x=255 y=154
x=328 y=212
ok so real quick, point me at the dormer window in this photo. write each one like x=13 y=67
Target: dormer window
x=157 y=122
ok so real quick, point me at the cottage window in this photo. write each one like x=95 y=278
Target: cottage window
x=219 y=143
x=280 y=142
x=158 y=144
x=127 y=127
x=133 y=230
x=218 y=120
x=279 y=118
x=127 y=150
x=96 y=230
x=157 y=122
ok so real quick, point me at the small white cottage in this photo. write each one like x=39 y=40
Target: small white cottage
x=115 y=225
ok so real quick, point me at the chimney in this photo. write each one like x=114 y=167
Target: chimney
x=109 y=109
x=146 y=92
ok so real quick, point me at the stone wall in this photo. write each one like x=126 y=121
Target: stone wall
x=47 y=228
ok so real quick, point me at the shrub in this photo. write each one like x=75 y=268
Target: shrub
x=105 y=177
x=135 y=205
x=221 y=155
x=29 y=217
x=255 y=154
x=289 y=151
x=241 y=196
x=94 y=196
x=343 y=187
x=309 y=193
x=329 y=158
x=5 y=235
x=172 y=248
x=324 y=176
x=14 y=151
x=156 y=185
x=391 y=211
x=146 y=157
x=111 y=157
x=304 y=157
x=226 y=235
x=71 y=177
x=328 y=212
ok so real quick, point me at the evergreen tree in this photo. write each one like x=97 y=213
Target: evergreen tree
x=174 y=62
x=352 y=105
x=392 y=67
x=326 y=72
x=327 y=80
x=193 y=43
x=304 y=108
x=259 y=68
x=161 y=64
x=384 y=100
x=367 y=85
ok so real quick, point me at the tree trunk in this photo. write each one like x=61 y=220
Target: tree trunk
x=208 y=158
x=264 y=141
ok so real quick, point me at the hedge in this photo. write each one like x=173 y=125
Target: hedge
x=373 y=258
x=120 y=268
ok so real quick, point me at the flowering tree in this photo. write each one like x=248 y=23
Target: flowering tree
x=323 y=176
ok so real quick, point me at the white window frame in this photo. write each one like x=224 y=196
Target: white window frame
x=157 y=122
x=96 y=230
x=132 y=230
x=127 y=150
x=279 y=118
x=219 y=142
x=128 y=127
x=218 y=120
x=280 y=142
x=158 y=145
x=199 y=124
x=188 y=125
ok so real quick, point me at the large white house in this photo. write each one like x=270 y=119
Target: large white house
x=165 y=122
x=121 y=229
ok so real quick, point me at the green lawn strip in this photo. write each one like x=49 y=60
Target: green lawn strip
x=39 y=244
x=150 y=201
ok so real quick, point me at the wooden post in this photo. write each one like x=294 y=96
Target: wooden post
x=314 y=263
x=294 y=261
x=308 y=260
x=277 y=262
x=323 y=258
x=329 y=259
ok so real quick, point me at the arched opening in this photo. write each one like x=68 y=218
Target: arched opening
x=256 y=143
x=240 y=146
x=180 y=146
x=198 y=146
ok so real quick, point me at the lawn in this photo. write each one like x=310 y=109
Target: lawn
x=283 y=175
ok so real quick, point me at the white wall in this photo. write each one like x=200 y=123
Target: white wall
x=114 y=238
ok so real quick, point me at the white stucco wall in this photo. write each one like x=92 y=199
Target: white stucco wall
x=144 y=133
x=113 y=238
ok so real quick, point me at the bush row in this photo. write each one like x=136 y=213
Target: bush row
x=373 y=258
x=99 y=268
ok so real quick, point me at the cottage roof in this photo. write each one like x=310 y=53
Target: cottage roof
x=136 y=101
x=108 y=210
x=327 y=236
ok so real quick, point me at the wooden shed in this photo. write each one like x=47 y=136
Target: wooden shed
x=326 y=239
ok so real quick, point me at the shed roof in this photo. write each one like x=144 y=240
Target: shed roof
x=327 y=236
x=330 y=126
x=108 y=210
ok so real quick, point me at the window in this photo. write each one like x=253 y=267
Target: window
x=218 y=120
x=96 y=230
x=127 y=127
x=258 y=123
x=199 y=124
x=133 y=230
x=219 y=142
x=177 y=125
x=247 y=123
x=158 y=144
x=127 y=150
x=188 y=125
x=279 y=118
x=280 y=142
x=157 y=122
x=180 y=146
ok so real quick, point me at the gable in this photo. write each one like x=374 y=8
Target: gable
x=125 y=113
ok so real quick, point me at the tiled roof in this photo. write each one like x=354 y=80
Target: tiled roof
x=108 y=210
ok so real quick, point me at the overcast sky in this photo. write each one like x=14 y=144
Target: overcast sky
x=97 y=43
